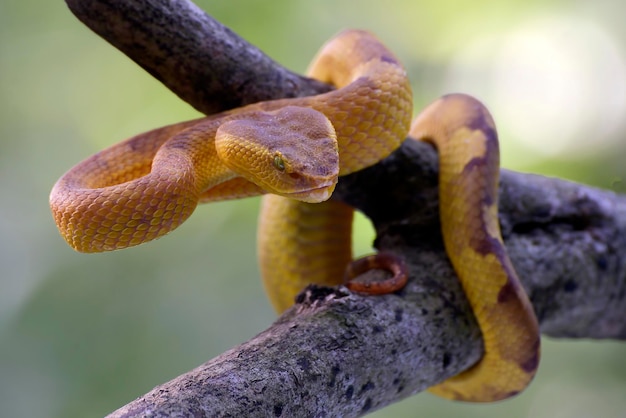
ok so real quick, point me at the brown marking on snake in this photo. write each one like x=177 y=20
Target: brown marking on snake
x=532 y=363
x=511 y=394
x=508 y=292
x=481 y=121
x=389 y=59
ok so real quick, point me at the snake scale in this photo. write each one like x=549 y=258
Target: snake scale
x=293 y=151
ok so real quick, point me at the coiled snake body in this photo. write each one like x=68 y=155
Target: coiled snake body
x=295 y=149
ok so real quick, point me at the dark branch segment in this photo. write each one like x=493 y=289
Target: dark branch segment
x=196 y=57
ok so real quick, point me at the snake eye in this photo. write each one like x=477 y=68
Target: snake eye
x=279 y=163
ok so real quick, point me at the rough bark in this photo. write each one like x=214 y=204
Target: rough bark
x=336 y=353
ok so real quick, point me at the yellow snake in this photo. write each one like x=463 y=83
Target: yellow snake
x=295 y=149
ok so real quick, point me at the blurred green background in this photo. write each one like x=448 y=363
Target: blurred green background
x=81 y=335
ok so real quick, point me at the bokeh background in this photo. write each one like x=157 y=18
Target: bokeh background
x=81 y=335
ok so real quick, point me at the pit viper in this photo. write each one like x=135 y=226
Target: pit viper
x=293 y=151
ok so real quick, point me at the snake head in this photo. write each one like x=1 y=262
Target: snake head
x=291 y=152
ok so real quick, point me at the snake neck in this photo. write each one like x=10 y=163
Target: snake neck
x=194 y=149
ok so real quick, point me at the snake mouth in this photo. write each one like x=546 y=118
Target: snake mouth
x=314 y=195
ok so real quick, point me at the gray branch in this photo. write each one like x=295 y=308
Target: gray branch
x=340 y=354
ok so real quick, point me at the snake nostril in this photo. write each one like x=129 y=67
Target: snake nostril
x=295 y=176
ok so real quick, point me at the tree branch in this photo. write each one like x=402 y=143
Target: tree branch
x=194 y=55
x=336 y=353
